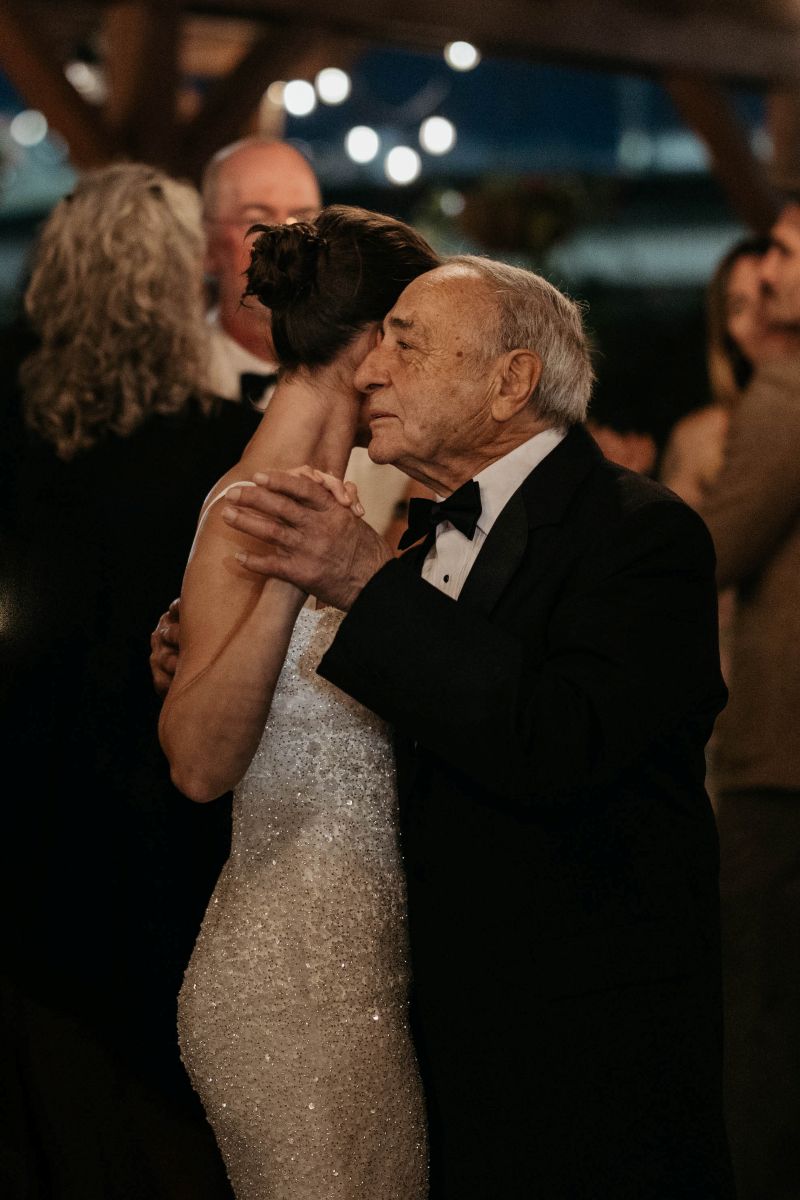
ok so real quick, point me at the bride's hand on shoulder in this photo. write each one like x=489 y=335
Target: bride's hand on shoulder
x=342 y=490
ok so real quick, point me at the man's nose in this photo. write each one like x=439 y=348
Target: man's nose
x=370 y=373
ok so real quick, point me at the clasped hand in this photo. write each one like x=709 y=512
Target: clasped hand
x=314 y=537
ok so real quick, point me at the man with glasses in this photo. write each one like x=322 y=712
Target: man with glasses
x=260 y=182
x=253 y=181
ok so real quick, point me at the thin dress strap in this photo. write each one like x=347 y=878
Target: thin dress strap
x=224 y=492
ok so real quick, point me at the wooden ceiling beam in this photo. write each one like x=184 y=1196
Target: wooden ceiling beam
x=279 y=54
x=783 y=117
x=610 y=33
x=142 y=40
x=35 y=72
x=707 y=110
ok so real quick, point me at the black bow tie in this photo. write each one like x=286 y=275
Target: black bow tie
x=462 y=510
x=252 y=386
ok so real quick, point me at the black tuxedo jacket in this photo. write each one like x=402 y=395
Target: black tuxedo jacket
x=560 y=848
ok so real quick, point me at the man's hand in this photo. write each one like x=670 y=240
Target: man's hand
x=164 y=647
x=312 y=540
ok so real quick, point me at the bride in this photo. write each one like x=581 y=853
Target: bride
x=293 y=1012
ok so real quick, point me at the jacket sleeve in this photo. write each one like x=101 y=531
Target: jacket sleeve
x=631 y=650
x=757 y=495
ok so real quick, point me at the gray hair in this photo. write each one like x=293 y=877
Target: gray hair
x=534 y=315
x=116 y=299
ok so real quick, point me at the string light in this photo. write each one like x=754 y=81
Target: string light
x=29 y=127
x=402 y=165
x=299 y=98
x=275 y=92
x=333 y=85
x=461 y=56
x=88 y=80
x=437 y=135
x=362 y=144
x=452 y=203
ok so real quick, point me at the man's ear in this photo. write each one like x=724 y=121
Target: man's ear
x=518 y=375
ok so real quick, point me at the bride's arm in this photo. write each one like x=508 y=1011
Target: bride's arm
x=235 y=628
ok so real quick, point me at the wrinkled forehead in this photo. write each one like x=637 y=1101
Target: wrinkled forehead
x=447 y=297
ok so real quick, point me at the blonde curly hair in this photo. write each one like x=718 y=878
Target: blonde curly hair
x=116 y=299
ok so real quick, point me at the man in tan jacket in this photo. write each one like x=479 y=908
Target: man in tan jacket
x=753 y=513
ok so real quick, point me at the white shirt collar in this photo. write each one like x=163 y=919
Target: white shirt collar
x=229 y=360
x=500 y=479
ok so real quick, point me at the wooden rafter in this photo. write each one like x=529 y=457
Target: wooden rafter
x=142 y=41
x=731 y=43
x=706 y=108
x=286 y=53
x=784 y=124
x=37 y=75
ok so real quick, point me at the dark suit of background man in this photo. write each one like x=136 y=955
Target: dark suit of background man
x=552 y=676
x=753 y=513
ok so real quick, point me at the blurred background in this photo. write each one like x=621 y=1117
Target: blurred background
x=619 y=147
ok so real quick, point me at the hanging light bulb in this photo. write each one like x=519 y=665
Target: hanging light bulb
x=275 y=92
x=402 y=165
x=461 y=56
x=299 y=98
x=29 y=127
x=437 y=135
x=333 y=85
x=362 y=144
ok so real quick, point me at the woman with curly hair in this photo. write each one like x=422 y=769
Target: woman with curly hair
x=108 y=867
x=115 y=298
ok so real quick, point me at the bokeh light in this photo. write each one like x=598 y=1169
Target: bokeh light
x=299 y=98
x=333 y=85
x=362 y=144
x=275 y=92
x=461 y=56
x=29 y=127
x=402 y=165
x=437 y=135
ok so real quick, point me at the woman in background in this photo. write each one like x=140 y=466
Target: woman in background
x=107 y=867
x=738 y=340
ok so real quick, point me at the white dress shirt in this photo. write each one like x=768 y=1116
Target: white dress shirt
x=228 y=360
x=451 y=557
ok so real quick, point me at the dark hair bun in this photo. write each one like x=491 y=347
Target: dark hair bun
x=325 y=280
x=283 y=263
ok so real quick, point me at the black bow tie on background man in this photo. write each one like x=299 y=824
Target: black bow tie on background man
x=462 y=510
x=253 y=385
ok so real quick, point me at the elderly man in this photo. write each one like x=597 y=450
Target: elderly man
x=253 y=181
x=266 y=182
x=259 y=181
x=547 y=654
x=753 y=513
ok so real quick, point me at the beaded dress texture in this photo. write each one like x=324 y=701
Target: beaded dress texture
x=293 y=1011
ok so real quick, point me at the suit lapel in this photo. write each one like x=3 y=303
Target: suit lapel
x=414 y=556
x=540 y=502
x=499 y=557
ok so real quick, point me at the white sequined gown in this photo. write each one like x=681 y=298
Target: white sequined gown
x=293 y=1011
